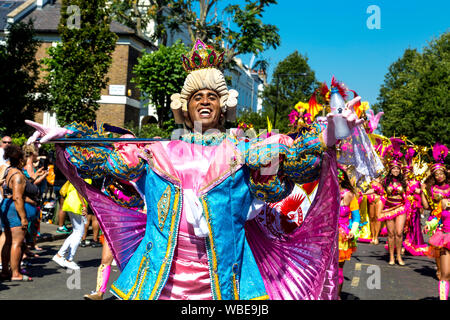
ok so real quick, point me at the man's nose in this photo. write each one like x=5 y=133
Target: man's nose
x=205 y=101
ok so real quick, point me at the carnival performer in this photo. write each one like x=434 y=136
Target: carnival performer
x=435 y=188
x=349 y=219
x=440 y=241
x=414 y=242
x=375 y=200
x=396 y=205
x=199 y=193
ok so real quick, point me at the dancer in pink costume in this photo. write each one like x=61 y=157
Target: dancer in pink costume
x=414 y=242
x=349 y=219
x=436 y=188
x=396 y=206
x=441 y=242
x=375 y=200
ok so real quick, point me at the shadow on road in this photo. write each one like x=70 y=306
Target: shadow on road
x=348 y=296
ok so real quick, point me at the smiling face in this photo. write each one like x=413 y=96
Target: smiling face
x=204 y=107
x=395 y=171
x=439 y=175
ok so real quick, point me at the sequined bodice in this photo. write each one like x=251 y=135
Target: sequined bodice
x=395 y=189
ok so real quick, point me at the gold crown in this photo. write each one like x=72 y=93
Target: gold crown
x=202 y=56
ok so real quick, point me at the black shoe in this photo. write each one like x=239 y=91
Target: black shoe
x=84 y=243
x=96 y=244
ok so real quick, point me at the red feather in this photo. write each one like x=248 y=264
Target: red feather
x=341 y=87
x=324 y=89
x=291 y=204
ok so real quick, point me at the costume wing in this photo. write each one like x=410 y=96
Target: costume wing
x=304 y=263
x=123 y=228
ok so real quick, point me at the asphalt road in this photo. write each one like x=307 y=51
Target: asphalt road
x=367 y=276
x=51 y=282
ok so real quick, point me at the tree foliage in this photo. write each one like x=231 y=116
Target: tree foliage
x=292 y=81
x=140 y=14
x=414 y=95
x=78 y=65
x=160 y=74
x=20 y=92
x=246 y=33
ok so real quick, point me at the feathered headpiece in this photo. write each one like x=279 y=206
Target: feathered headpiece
x=396 y=155
x=340 y=86
x=440 y=152
x=325 y=92
x=202 y=64
x=409 y=155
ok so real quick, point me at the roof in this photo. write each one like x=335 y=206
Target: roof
x=46 y=20
x=7 y=6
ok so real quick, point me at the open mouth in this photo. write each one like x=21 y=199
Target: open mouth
x=205 y=112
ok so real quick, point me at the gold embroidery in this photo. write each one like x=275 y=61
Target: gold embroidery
x=215 y=276
x=170 y=243
x=163 y=207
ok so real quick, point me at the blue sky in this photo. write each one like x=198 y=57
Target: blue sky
x=335 y=37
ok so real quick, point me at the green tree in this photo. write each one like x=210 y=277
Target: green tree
x=139 y=14
x=246 y=33
x=78 y=65
x=292 y=81
x=414 y=95
x=243 y=32
x=22 y=95
x=160 y=74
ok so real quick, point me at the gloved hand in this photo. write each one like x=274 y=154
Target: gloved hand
x=44 y=133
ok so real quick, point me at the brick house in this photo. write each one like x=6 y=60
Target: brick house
x=120 y=102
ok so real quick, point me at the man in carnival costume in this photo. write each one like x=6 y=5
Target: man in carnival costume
x=195 y=238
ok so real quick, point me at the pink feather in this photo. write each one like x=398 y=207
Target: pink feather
x=396 y=146
x=375 y=120
x=440 y=152
x=409 y=156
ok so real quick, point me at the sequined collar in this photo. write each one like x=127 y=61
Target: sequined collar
x=213 y=139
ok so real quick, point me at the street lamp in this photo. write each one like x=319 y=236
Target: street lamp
x=278 y=76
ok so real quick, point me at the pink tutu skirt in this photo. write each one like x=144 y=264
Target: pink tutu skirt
x=440 y=239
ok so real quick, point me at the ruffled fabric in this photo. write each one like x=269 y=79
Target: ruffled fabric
x=440 y=240
x=416 y=249
x=391 y=213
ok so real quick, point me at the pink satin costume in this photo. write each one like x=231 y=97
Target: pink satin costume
x=189 y=275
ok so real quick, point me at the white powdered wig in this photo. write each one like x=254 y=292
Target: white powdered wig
x=212 y=79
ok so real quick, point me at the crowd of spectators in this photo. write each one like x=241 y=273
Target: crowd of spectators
x=31 y=193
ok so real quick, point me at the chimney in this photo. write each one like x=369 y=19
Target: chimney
x=41 y=3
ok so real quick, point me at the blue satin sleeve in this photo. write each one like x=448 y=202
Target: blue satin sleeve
x=276 y=167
